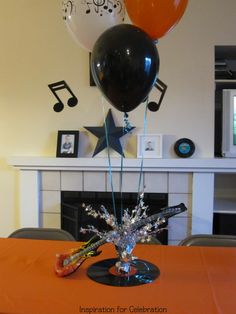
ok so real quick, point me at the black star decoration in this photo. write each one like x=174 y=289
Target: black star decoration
x=113 y=135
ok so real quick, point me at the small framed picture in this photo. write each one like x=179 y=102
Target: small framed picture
x=67 y=143
x=149 y=146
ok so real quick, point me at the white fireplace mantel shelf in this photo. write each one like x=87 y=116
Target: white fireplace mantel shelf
x=205 y=165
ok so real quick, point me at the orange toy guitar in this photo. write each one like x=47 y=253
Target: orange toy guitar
x=67 y=263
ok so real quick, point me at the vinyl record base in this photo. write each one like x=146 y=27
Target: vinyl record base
x=142 y=273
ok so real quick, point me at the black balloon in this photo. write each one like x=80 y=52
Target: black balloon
x=124 y=65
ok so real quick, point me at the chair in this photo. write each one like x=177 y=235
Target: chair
x=153 y=240
x=42 y=234
x=209 y=240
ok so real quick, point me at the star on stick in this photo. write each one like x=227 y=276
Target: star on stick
x=114 y=133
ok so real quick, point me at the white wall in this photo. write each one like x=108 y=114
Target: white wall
x=36 y=50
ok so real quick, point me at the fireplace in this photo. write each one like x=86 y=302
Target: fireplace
x=191 y=181
x=177 y=186
x=73 y=215
x=43 y=179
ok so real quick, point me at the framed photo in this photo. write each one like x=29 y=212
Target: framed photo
x=149 y=146
x=67 y=143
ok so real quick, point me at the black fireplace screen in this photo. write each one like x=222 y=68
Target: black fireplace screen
x=73 y=215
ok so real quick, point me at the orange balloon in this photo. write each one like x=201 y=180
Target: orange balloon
x=155 y=17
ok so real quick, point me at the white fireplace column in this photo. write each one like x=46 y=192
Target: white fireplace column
x=203 y=203
x=29 y=198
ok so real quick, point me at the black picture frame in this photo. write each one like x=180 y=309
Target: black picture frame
x=67 y=143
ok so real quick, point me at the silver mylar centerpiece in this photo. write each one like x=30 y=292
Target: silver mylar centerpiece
x=125 y=270
x=136 y=226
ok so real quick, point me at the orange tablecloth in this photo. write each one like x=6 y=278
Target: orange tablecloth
x=192 y=280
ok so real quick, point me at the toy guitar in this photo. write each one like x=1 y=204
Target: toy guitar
x=68 y=263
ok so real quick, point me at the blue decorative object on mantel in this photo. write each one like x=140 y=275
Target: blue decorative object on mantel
x=108 y=135
x=184 y=147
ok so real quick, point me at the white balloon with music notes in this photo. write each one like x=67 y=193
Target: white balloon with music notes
x=86 y=20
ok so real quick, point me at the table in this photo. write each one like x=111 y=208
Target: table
x=193 y=280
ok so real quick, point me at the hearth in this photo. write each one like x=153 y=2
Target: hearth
x=73 y=215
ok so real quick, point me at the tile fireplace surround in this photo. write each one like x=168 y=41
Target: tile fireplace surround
x=185 y=180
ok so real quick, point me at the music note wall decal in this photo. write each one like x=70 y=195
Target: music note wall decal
x=71 y=102
x=162 y=87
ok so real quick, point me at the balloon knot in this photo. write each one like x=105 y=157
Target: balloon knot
x=127 y=125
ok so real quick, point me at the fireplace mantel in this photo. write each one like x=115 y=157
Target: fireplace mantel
x=202 y=172
x=204 y=165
